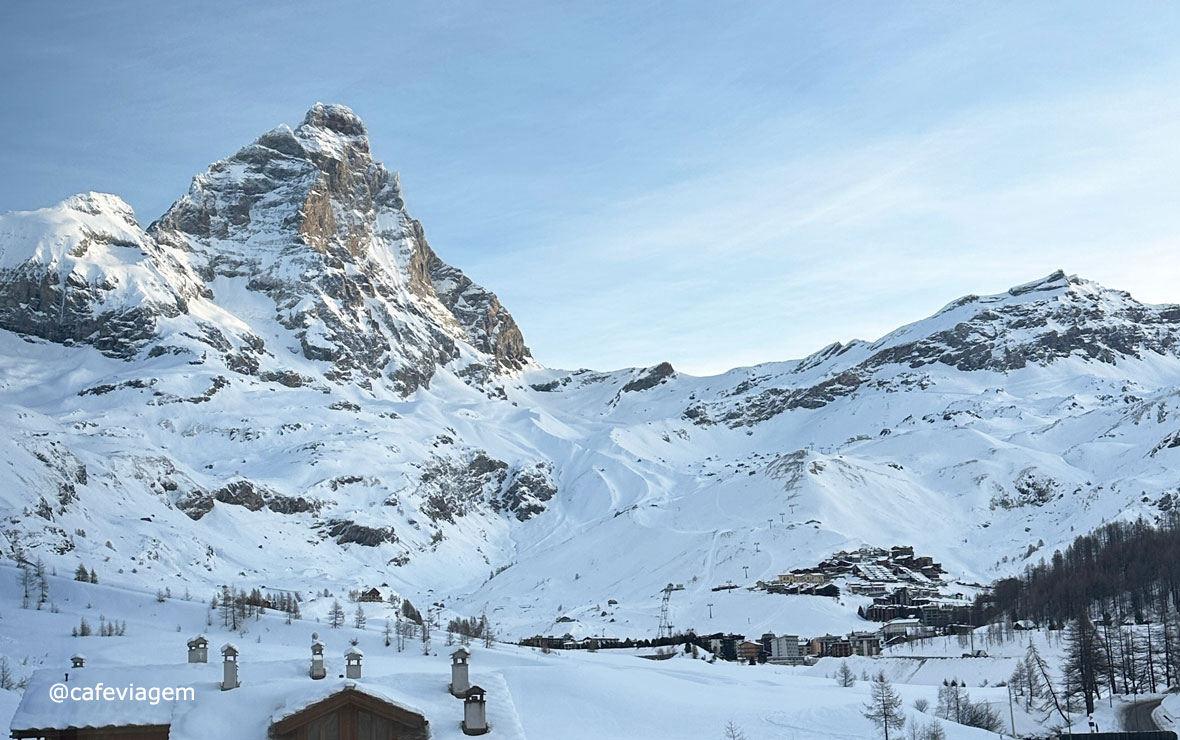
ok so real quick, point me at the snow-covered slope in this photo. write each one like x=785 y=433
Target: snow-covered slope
x=568 y=694
x=279 y=383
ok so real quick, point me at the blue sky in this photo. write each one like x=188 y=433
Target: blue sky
x=714 y=184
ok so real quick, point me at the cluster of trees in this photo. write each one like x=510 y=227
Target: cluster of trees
x=84 y=575
x=8 y=679
x=1034 y=686
x=33 y=581
x=883 y=709
x=1102 y=658
x=106 y=628
x=411 y=613
x=1125 y=570
x=471 y=627
x=237 y=605
x=1116 y=594
x=336 y=616
x=955 y=705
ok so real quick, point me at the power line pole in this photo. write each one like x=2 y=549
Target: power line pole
x=1011 y=712
x=665 y=629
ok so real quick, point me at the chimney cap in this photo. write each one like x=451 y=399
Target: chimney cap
x=229 y=649
x=354 y=650
x=77 y=656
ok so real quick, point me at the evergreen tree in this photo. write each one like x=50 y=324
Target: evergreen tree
x=8 y=681
x=229 y=617
x=26 y=581
x=733 y=732
x=845 y=677
x=1083 y=660
x=358 y=619
x=42 y=582
x=1037 y=667
x=884 y=706
x=81 y=574
x=952 y=698
x=336 y=615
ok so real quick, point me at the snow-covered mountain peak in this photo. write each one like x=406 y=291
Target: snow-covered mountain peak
x=97 y=204
x=338 y=119
x=1057 y=280
x=297 y=243
x=47 y=235
x=308 y=219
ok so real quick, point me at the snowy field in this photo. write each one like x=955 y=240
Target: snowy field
x=573 y=694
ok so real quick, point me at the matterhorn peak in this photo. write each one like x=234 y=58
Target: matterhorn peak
x=338 y=119
x=320 y=228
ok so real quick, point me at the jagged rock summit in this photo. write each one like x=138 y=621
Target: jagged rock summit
x=304 y=218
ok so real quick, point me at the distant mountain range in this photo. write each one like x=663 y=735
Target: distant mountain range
x=279 y=383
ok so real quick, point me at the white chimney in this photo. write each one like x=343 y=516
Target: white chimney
x=317 y=661
x=229 y=656
x=475 y=712
x=460 y=680
x=352 y=662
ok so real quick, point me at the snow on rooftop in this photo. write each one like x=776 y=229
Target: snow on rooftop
x=270 y=691
x=38 y=711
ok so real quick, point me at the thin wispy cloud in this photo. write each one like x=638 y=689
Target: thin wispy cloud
x=710 y=185
x=844 y=243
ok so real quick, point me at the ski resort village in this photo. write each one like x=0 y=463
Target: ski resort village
x=274 y=467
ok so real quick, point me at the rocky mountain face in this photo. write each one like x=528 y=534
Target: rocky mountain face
x=279 y=382
x=1035 y=324
x=304 y=218
x=84 y=272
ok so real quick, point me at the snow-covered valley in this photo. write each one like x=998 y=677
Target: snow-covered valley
x=531 y=693
x=279 y=385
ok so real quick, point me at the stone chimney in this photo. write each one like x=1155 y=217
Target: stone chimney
x=198 y=650
x=475 y=712
x=77 y=660
x=352 y=662
x=460 y=681
x=229 y=656
x=317 y=661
